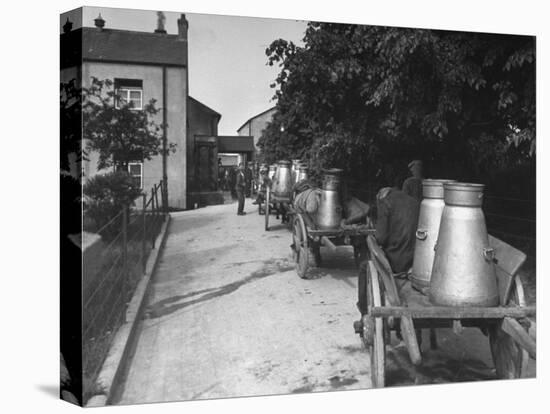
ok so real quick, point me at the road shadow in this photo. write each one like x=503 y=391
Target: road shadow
x=172 y=304
x=191 y=222
x=190 y=261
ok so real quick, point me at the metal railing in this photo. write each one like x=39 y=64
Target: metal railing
x=112 y=269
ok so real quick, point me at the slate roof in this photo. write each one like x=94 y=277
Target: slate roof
x=254 y=117
x=203 y=107
x=125 y=46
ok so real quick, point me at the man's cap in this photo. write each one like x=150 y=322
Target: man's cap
x=414 y=163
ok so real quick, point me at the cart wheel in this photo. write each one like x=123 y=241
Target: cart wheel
x=267 y=208
x=376 y=345
x=301 y=246
x=510 y=359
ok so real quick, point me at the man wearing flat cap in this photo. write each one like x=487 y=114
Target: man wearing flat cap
x=413 y=185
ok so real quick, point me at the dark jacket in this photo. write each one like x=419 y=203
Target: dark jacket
x=396 y=228
x=413 y=187
x=240 y=182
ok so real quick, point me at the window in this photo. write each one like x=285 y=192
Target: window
x=136 y=172
x=129 y=91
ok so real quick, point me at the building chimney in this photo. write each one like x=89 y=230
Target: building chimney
x=183 y=26
x=161 y=19
x=68 y=26
x=99 y=22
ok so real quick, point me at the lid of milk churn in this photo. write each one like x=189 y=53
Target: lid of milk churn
x=331 y=179
x=463 y=194
x=284 y=163
x=433 y=188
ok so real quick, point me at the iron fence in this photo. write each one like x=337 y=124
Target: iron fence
x=113 y=266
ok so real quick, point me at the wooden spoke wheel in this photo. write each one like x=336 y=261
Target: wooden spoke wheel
x=374 y=330
x=300 y=246
x=267 y=208
x=290 y=222
x=261 y=208
x=510 y=359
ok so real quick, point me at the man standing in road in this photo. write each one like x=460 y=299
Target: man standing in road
x=413 y=185
x=240 y=188
x=264 y=182
x=248 y=175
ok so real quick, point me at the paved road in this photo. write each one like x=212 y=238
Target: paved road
x=228 y=316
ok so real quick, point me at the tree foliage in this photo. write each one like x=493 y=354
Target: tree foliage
x=70 y=104
x=105 y=195
x=370 y=98
x=119 y=133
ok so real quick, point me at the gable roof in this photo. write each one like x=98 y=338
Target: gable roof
x=126 y=46
x=203 y=107
x=254 y=117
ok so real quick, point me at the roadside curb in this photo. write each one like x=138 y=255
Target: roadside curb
x=116 y=362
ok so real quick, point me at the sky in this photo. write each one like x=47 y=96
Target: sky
x=227 y=61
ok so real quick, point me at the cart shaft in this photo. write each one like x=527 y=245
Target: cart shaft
x=444 y=312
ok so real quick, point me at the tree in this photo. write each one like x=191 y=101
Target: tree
x=70 y=106
x=119 y=133
x=105 y=195
x=367 y=97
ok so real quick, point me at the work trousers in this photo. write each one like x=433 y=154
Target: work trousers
x=240 y=198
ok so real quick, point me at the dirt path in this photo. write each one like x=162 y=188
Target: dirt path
x=228 y=316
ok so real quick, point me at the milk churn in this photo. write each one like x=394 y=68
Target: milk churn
x=329 y=213
x=271 y=173
x=463 y=271
x=302 y=173
x=295 y=167
x=429 y=218
x=282 y=183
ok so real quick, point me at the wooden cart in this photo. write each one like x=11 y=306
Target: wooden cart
x=307 y=241
x=506 y=325
x=281 y=207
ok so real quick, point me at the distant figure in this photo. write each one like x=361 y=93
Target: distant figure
x=240 y=188
x=263 y=184
x=413 y=185
x=232 y=182
x=248 y=174
x=396 y=224
x=221 y=175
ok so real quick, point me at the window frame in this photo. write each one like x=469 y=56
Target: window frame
x=128 y=90
x=140 y=163
x=127 y=86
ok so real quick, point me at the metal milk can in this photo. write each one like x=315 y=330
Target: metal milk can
x=295 y=168
x=282 y=183
x=271 y=173
x=329 y=213
x=429 y=218
x=302 y=173
x=463 y=271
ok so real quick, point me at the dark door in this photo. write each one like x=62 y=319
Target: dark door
x=207 y=166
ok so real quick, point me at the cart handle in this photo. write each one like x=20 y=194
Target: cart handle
x=489 y=255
